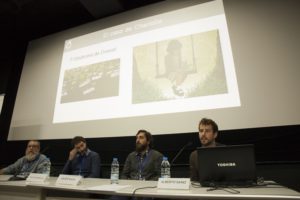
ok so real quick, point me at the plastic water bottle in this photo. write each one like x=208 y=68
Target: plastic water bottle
x=48 y=167
x=114 y=173
x=165 y=168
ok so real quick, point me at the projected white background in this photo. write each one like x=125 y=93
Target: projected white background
x=1 y=101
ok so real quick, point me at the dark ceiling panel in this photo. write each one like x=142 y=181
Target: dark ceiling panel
x=102 y=8
x=37 y=18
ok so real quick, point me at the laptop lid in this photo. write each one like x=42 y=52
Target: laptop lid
x=226 y=165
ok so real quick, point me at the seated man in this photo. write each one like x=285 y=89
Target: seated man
x=82 y=161
x=32 y=162
x=143 y=163
x=208 y=132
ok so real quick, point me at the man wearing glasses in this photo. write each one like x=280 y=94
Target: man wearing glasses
x=31 y=162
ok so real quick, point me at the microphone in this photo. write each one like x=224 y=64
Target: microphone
x=17 y=177
x=180 y=151
x=44 y=150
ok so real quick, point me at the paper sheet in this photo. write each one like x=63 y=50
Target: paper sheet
x=112 y=187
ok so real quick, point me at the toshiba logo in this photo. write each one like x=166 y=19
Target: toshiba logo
x=226 y=164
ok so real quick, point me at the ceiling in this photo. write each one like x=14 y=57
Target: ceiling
x=36 y=18
x=25 y=20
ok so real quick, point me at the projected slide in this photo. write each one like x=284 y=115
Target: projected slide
x=147 y=67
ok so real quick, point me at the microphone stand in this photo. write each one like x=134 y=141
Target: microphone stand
x=180 y=151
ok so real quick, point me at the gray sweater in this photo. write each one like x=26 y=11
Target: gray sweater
x=148 y=167
x=41 y=164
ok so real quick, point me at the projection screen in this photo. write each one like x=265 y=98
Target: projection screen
x=161 y=68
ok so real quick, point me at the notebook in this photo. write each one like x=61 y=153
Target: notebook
x=227 y=165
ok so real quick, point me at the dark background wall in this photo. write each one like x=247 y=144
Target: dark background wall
x=277 y=149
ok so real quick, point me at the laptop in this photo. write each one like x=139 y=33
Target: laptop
x=227 y=166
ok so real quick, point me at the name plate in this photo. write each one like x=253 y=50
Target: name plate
x=37 y=178
x=174 y=183
x=68 y=180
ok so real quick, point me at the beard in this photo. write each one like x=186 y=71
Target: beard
x=206 y=142
x=83 y=151
x=30 y=156
x=140 y=147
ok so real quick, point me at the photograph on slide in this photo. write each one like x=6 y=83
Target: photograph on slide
x=182 y=67
x=90 y=81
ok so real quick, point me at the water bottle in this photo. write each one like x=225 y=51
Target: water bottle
x=48 y=167
x=165 y=168
x=114 y=173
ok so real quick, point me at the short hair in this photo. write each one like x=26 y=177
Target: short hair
x=77 y=139
x=147 y=135
x=206 y=121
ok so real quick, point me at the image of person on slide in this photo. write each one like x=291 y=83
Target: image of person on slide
x=175 y=67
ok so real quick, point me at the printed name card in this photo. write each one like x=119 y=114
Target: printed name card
x=37 y=178
x=174 y=183
x=68 y=180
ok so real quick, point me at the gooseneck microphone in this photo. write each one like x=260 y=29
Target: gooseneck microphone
x=180 y=151
x=17 y=177
x=44 y=150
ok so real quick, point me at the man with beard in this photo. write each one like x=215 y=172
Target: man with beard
x=82 y=161
x=208 y=132
x=144 y=163
x=32 y=162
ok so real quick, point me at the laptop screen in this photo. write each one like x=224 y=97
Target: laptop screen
x=226 y=165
